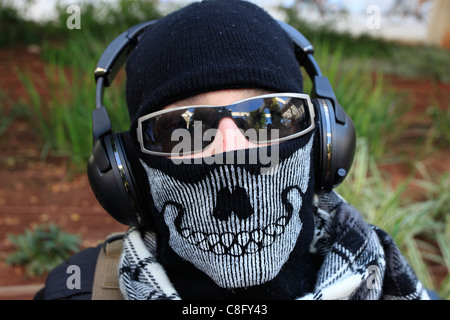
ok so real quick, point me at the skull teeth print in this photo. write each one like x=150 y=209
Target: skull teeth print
x=236 y=244
x=236 y=225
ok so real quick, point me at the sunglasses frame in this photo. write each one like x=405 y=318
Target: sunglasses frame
x=303 y=96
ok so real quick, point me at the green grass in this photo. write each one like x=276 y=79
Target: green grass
x=439 y=134
x=420 y=227
x=11 y=111
x=64 y=120
x=366 y=97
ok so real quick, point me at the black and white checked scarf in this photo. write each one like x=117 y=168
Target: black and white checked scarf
x=360 y=261
x=141 y=277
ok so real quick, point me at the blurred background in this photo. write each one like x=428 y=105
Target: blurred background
x=388 y=61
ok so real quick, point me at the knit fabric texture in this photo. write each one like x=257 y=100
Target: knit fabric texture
x=237 y=226
x=357 y=261
x=208 y=46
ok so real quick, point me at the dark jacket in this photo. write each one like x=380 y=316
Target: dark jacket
x=56 y=287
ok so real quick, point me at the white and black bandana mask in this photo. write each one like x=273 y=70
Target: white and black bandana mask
x=237 y=225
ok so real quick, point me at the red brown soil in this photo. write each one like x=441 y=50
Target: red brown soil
x=34 y=192
x=417 y=124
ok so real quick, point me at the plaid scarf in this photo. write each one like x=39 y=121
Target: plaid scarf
x=359 y=261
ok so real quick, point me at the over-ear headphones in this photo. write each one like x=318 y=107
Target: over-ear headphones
x=109 y=169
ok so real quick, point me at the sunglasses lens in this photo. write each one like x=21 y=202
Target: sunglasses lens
x=192 y=129
x=164 y=132
x=272 y=118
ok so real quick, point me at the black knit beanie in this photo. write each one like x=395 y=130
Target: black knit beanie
x=207 y=46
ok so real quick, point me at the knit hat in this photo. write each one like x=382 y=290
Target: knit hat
x=207 y=46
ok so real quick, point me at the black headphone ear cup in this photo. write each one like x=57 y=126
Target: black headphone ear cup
x=112 y=181
x=336 y=146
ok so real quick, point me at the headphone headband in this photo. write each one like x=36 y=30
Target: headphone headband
x=115 y=55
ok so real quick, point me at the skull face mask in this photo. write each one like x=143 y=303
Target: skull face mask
x=230 y=221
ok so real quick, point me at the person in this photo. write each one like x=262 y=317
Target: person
x=231 y=212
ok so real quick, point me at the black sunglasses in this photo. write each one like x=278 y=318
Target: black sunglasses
x=264 y=119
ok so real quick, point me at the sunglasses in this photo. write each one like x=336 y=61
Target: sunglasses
x=265 y=119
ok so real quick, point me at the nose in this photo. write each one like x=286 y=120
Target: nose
x=229 y=137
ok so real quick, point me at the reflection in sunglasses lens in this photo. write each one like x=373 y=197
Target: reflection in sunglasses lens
x=261 y=120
